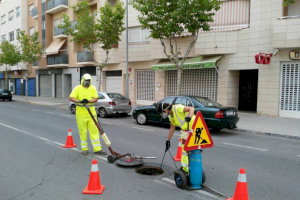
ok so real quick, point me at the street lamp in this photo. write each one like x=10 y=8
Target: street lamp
x=127 y=81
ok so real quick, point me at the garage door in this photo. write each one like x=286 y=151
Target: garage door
x=195 y=82
x=290 y=90
x=18 y=87
x=31 y=87
x=114 y=84
x=58 y=86
x=45 y=86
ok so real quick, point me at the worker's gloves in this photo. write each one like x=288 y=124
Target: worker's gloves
x=85 y=101
x=187 y=119
x=168 y=144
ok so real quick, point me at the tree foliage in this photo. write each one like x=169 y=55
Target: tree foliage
x=31 y=51
x=10 y=56
x=170 y=19
x=289 y=2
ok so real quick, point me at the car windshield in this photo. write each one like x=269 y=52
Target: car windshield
x=115 y=95
x=206 y=101
x=0 y=90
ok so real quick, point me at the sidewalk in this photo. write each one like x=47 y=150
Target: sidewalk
x=250 y=123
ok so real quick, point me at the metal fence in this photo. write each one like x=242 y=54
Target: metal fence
x=58 y=59
x=59 y=31
x=85 y=56
x=55 y=3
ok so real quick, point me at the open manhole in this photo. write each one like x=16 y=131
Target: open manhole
x=149 y=170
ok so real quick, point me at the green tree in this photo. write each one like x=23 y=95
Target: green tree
x=88 y=30
x=288 y=2
x=31 y=51
x=10 y=56
x=169 y=19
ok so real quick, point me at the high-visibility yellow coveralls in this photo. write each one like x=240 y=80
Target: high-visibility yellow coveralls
x=83 y=118
x=178 y=119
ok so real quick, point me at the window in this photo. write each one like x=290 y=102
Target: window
x=31 y=31
x=168 y=100
x=3 y=38
x=100 y=96
x=11 y=36
x=18 y=32
x=10 y=15
x=3 y=19
x=43 y=25
x=137 y=34
x=183 y=101
x=30 y=8
x=18 y=12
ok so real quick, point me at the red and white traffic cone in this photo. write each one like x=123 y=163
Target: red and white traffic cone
x=241 y=191
x=94 y=186
x=69 y=142
x=179 y=152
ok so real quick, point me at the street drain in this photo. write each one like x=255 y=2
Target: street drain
x=150 y=171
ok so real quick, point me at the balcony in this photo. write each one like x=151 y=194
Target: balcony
x=85 y=58
x=36 y=64
x=59 y=33
x=286 y=32
x=58 y=61
x=56 y=6
x=34 y=13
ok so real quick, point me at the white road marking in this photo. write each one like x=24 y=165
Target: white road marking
x=50 y=113
x=21 y=108
x=143 y=129
x=66 y=115
x=110 y=123
x=298 y=155
x=245 y=146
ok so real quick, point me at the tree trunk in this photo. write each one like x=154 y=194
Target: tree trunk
x=26 y=88
x=6 y=80
x=179 y=72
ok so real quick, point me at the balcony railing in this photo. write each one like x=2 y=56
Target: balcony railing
x=85 y=57
x=73 y=24
x=58 y=59
x=59 y=31
x=55 y=3
x=36 y=63
x=34 y=12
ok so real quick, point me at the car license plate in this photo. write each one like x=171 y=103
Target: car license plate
x=122 y=104
x=4 y=93
x=229 y=113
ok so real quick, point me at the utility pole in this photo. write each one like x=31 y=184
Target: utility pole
x=127 y=81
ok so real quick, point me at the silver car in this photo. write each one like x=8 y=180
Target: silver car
x=109 y=103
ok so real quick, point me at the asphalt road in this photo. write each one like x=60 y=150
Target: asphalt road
x=33 y=165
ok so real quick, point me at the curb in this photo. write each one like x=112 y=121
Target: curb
x=264 y=133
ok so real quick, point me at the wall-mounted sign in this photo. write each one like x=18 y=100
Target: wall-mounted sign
x=295 y=55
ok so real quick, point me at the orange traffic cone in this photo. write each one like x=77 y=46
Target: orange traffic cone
x=241 y=191
x=69 y=142
x=94 y=186
x=179 y=151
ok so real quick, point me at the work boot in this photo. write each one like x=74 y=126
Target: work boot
x=85 y=152
x=101 y=152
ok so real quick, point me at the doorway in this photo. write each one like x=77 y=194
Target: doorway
x=248 y=90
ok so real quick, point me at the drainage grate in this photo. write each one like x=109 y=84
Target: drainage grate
x=150 y=171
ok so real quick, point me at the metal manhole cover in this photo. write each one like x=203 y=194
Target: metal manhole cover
x=149 y=170
x=134 y=162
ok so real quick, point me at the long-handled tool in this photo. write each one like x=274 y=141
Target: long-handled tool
x=129 y=159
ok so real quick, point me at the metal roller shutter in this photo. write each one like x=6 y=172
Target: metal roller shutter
x=58 y=86
x=290 y=90
x=145 y=85
x=31 y=87
x=114 y=84
x=18 y=87
x=45 y=86
x=1 y=84
x=195 y=82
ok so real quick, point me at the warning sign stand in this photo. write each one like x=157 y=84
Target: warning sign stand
x=200 y=137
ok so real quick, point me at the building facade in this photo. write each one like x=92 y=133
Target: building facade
x=13 y=20
x=242 y=29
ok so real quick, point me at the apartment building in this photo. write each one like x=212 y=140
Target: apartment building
x=242 y=29
x=13 y=15
x=64 y=62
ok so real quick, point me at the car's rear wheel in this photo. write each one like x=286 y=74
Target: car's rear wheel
x=9 y=99
x=3 y=99
x=141 y=118
x=102 y=112
x=215 y=130
x=73 y=109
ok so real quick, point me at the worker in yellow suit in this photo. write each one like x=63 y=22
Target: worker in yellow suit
x=179 y=116
x=86 y=93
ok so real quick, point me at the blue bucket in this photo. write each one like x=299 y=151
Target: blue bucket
x=195 y=169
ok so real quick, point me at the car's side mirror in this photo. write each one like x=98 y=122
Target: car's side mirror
x=154 y=104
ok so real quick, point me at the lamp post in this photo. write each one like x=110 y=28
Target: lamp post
x=127 y=81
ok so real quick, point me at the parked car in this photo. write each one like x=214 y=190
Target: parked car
x=109 y=103
x=5 y=94
x=215 y=115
